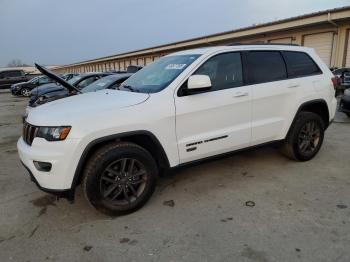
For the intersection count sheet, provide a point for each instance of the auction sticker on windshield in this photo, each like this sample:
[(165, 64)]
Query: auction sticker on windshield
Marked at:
[(175, 66)]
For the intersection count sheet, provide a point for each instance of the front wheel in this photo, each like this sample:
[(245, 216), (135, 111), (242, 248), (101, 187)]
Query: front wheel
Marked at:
[(305, 137), (25, 92), (120, 178)]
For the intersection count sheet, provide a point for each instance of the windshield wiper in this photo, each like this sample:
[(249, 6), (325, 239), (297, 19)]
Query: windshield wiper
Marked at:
[(130, 88)]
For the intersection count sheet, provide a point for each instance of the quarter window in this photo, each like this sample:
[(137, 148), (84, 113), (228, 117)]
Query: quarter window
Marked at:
[(300, 64), (265, 66), (224, 71)]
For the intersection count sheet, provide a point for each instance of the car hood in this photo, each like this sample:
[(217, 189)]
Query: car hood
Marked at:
[(47, 88), (69, 110), (19, 84), (56, 78)]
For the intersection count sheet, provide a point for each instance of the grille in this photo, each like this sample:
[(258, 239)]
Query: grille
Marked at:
[(29, 133)]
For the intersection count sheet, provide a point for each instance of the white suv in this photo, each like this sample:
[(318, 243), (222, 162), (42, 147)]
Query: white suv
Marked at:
[(185, 107)]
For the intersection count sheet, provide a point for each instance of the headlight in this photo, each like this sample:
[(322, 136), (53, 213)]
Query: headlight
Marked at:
[(57, 133)]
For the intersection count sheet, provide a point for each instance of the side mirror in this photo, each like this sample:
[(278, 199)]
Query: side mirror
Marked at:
[(197, 83)]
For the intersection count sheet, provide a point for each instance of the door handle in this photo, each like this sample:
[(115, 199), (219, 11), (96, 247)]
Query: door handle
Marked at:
[(240, 94), (293, 86)]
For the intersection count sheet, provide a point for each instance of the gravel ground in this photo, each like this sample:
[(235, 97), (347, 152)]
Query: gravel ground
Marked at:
[(252, 206)]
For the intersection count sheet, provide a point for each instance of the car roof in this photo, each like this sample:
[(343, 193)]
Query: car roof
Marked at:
[(117, 76), (14, 69), (94, 73), (206, 50)]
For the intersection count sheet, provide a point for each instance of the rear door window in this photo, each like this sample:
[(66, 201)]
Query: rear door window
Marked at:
[(300, 64), (265, 66)]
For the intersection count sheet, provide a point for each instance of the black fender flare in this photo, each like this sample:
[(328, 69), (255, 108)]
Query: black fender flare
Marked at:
[(305, 104), (101, 140)]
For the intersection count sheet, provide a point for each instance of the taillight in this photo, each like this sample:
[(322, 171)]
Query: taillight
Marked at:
[(335, 81)]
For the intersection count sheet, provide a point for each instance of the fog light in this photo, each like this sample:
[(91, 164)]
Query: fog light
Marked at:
[(42, 166)]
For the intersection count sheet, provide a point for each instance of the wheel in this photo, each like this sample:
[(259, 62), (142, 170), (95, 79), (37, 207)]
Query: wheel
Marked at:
[(25, 92), (120, 178), (305, 137), (348, 114)]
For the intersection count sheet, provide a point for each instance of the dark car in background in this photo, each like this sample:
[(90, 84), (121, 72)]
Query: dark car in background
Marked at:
[(75, 86), (107, 82), (48, 91), (9, 77), (68, 76), (339, 71), (25, 88), (344, 104), (62, 88)]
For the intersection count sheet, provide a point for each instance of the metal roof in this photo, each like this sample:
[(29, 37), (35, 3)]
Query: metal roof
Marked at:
[(256, 26)]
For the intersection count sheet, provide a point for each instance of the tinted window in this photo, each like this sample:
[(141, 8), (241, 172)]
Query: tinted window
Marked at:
[(14, 73), (87, 82), (100, 84), (224, 70), (300, 64), (265, 66)]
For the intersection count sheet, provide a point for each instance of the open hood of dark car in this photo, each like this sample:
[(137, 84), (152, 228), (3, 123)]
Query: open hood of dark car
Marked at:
[(56, 78)]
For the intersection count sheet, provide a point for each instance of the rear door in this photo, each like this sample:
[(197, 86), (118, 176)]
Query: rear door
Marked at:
[(273, 95), (218, 120)]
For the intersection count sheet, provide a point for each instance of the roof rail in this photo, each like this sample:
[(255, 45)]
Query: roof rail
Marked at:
[(259, 43)]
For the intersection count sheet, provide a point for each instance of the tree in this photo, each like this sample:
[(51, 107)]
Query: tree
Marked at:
[(16, 63)]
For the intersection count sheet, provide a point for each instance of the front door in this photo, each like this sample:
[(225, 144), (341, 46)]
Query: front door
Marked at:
[(218, 120)]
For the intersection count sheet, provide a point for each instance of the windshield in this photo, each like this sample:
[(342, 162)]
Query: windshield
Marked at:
[(33, 80), (99, 84), (73, 80), (158, 75)]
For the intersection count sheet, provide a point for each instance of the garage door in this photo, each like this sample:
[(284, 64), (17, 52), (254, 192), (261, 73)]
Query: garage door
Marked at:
[(287, 40), (347, 61), (322, 43)]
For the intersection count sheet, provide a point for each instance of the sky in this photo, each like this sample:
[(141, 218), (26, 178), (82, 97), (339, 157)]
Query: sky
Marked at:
[(57, 32)]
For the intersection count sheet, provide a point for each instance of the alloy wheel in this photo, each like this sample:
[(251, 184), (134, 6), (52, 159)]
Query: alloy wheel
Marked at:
[(123, 181), (25, 92), (309, 137)]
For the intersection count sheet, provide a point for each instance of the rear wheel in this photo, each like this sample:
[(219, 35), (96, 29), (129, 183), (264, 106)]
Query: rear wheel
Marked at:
[(25, 92), (305, 138), (120, 178)]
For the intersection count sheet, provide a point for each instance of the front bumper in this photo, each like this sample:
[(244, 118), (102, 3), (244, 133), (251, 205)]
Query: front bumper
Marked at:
[(15, 91), (60, 154), (66, 193)]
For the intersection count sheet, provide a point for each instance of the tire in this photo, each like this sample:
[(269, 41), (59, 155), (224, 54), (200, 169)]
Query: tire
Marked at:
[(25, 92), (300, 144), (120, 178)]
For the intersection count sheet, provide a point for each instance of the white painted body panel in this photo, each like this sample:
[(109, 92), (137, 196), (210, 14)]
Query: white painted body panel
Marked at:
[(264, 114)]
